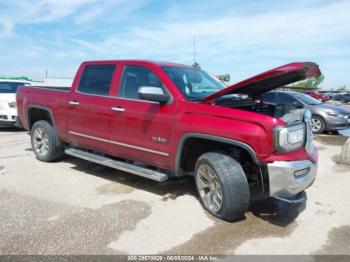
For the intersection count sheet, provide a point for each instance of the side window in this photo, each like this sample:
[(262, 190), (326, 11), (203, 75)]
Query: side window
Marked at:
[(134, 77), (96, 79), (269, 98), (284, 99)]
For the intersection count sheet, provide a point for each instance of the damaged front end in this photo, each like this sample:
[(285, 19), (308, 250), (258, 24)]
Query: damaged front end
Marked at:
[(288, 179), (280, 177)]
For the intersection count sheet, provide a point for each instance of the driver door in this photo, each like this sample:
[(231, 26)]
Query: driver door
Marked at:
[(141, 130)]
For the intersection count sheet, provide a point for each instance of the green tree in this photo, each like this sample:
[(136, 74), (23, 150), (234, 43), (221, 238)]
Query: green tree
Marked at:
[(312, 82), (342, 89)]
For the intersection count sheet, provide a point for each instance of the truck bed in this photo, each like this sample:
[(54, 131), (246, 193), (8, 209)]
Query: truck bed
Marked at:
[(61, 88), (51, 98)]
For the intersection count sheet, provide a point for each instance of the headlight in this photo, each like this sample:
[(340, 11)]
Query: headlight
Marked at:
[(289, 138), (334, 113), (12, 104)]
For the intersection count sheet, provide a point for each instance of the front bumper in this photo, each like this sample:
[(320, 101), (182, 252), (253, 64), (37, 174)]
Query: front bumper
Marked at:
[(8, 117), (289, 178), (6, 123), (336, 123)]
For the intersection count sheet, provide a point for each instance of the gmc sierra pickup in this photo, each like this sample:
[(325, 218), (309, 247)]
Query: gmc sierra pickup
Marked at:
[(161, 120)]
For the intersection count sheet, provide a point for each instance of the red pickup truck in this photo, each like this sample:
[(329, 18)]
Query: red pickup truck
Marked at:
[(160, 120)]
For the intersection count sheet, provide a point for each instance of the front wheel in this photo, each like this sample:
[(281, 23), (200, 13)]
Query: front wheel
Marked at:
[(45, 142), (317, 125), (222, 186)]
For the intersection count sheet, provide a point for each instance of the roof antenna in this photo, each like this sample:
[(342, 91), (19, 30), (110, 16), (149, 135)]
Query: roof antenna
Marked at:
[(195, 64)]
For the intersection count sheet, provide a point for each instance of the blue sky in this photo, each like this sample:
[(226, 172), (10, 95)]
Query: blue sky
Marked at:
[(242, 38)]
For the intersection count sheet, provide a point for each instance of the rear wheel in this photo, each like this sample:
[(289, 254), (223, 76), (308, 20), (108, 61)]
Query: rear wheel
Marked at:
[(317, 125), (222, 186), (45, 142)]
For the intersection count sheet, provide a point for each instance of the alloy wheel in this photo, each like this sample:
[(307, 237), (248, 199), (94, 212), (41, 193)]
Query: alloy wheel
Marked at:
[(209, 188), (316, 124), (40, 141)]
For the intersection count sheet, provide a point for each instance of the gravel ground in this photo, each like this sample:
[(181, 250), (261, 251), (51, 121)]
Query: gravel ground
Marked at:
[(77, 207)]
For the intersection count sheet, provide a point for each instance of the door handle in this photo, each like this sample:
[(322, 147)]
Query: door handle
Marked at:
[(118, 109), (73, 103)]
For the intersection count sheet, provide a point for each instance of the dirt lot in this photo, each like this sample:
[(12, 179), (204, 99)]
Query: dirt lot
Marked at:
[(77, 207)]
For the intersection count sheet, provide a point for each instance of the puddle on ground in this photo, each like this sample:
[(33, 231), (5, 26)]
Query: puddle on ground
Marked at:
[(114, 188), (122, 182), (331, 140), (321, 148), (269, 218), (338, 242), (54, 228), (265, 218)]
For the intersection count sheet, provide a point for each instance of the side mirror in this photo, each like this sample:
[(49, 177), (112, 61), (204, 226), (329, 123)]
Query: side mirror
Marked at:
[(297, 105), (152, 93)]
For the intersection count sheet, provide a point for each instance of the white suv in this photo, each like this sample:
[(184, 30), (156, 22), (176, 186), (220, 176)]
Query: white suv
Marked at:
[(8, 108)]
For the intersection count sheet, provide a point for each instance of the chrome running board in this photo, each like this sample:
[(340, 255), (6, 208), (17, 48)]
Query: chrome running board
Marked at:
[(123, 166)]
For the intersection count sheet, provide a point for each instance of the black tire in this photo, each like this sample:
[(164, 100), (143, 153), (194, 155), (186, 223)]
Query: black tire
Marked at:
[(322, 127), (233, 182), (55, 147)]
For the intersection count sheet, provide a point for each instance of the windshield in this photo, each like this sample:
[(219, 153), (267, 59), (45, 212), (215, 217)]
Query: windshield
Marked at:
[(193, 83), (307, 99), (9, 87)]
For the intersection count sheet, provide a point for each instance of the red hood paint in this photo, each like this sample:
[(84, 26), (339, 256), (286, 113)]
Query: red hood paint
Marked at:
[(269, 80)]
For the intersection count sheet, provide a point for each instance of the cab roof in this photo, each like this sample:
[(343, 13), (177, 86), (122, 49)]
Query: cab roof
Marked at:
[(152, 62)]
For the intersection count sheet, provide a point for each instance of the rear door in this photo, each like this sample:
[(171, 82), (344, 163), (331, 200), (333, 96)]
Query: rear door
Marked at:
[(89, 113)]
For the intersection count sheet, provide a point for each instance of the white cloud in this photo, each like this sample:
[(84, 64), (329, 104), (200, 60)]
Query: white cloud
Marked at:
[(88, 14), (303, 28), (6, 28), (307, 32), (29, 12), (240, 39)]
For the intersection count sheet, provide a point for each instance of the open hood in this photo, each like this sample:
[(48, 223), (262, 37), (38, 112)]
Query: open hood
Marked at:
[(269, 80)]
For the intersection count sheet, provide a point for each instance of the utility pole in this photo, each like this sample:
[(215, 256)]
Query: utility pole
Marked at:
[(194, 50), (195, 64)]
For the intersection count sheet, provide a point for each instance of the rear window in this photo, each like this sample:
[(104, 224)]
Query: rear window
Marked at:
[(96, 79), (284, 98), (269, 98)]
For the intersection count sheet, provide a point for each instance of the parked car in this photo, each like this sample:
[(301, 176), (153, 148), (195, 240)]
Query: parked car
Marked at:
[(324, 116), (318, 96), (344, 98), (178, 121), (8, 108), (330, 95)]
